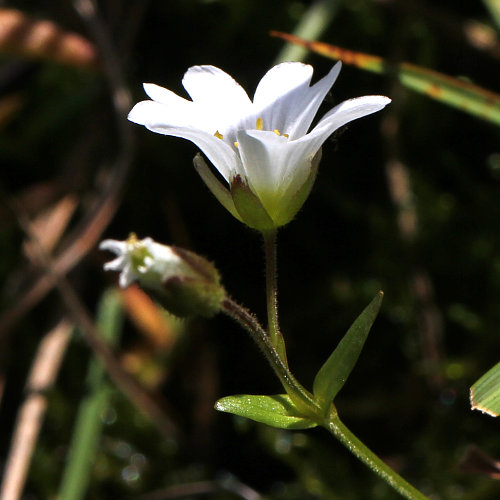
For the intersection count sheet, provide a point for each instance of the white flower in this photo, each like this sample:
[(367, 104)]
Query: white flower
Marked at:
[(143, 260), (262, 148), (182, 281)]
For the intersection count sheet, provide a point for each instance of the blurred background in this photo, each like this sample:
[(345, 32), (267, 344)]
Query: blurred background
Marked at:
[(406, 201)]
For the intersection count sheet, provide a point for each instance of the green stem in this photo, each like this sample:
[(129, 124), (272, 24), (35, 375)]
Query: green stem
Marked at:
[(299, 395), (272, 292), (336, 427)]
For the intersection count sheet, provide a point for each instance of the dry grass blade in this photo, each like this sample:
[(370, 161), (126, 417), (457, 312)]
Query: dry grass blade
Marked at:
[(51, 224), (30, 417), (40, 39), (454, 92)]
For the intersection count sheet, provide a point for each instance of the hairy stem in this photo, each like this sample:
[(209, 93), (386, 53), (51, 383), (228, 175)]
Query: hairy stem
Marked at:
[(273, 328), (299, 395)]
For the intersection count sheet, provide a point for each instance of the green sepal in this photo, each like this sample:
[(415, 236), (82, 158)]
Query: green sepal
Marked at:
[(197, 291), (289, 210), (337, 368), (276, 411), (216, 187), (249, 206), (187, 297), (485, 393)]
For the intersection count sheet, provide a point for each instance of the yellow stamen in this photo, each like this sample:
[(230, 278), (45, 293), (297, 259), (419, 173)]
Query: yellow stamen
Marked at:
[(132, 239), (260, 124), (286, 135), (236, 143), (276, 131), (218, 135)]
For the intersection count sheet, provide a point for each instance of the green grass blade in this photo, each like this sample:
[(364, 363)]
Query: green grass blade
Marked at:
[(462, 95), (485, 393), (88, 426), (313, 23), (337, 368)]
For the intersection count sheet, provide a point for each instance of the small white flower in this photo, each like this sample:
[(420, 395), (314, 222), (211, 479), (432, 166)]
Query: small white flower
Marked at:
[(185, 283), (143, 260), (265, 145)]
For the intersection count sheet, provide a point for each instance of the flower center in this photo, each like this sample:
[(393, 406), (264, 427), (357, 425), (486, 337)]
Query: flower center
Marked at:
[(259, 125), (139, 254)]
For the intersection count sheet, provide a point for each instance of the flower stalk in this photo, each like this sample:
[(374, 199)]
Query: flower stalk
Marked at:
[(270, 250)]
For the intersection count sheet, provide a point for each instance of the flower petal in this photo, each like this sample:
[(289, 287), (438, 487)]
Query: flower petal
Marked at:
[(127, 276), (169, 108), (156, 117), (217, 96), (260, 155), (286, 102), (116, 264), (311, 101), (273, 164), (345, 112), (115, 246), (275, 95), (163, 95), (208, 83)]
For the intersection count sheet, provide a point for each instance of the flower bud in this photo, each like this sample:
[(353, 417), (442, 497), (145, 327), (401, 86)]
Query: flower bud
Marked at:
[(182, 281)]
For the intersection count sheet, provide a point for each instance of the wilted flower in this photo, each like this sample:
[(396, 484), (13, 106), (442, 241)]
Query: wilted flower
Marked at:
[(262, 148), (185, 283)]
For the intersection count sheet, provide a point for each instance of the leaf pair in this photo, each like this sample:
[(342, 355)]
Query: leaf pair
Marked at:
[(279, 411)]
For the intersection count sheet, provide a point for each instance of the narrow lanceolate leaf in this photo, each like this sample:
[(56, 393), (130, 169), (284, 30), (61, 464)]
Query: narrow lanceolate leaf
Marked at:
[(333, 374), (465, 96), (276, 411), (485, 393)]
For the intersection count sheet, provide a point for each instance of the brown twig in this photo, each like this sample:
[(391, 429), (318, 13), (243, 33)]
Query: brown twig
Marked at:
[(30, 417)]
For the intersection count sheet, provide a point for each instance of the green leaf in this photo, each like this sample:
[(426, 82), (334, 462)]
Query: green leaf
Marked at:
[(333, 374), (460, 94), (485, 393), (276, 411)]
